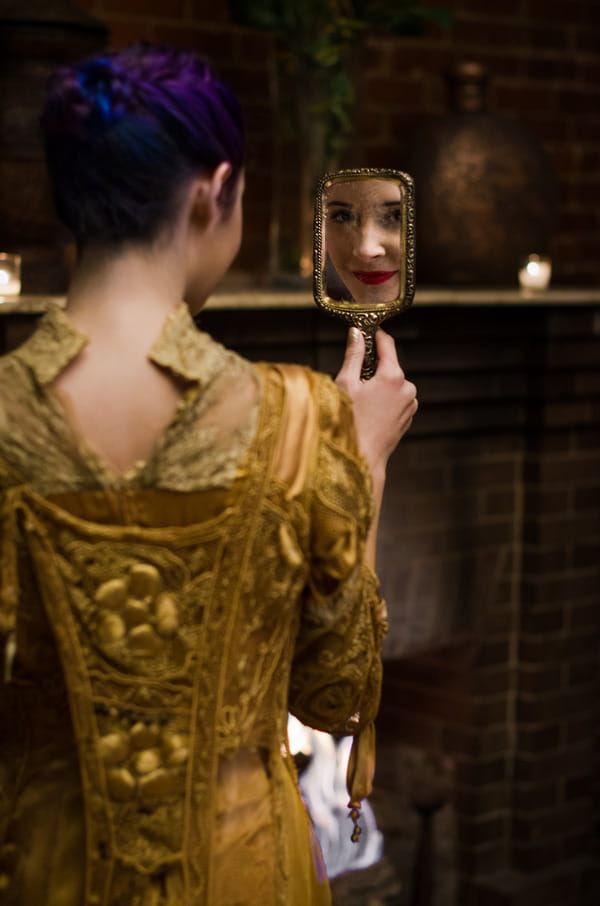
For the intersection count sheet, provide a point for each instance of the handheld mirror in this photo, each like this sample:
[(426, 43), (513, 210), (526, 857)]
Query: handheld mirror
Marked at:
[(364, 249)]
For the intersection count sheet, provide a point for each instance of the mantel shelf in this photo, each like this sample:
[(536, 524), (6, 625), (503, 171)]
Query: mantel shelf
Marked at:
[(253, 298)]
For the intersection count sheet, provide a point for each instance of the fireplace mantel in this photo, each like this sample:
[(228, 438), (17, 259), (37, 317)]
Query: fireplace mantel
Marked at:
[(488, 557), (256, 299)]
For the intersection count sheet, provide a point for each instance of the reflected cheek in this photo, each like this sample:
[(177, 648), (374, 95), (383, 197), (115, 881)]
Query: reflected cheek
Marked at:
[(339, 250)]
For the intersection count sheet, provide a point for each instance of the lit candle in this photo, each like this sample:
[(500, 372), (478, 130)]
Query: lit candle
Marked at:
[(10, 275), (535, 273)]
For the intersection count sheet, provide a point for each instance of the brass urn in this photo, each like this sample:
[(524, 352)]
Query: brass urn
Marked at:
[(485, 190)]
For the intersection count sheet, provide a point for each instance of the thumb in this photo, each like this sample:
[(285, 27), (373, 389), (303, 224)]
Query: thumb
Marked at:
[(353, 357)]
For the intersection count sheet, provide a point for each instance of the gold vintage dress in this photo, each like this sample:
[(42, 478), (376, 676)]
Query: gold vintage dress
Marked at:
[(157, 626)]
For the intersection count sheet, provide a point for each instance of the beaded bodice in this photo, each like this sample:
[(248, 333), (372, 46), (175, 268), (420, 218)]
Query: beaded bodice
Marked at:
[(159, 627)]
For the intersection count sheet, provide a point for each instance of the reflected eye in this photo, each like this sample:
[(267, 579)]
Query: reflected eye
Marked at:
[(391, 219), (340, 215)]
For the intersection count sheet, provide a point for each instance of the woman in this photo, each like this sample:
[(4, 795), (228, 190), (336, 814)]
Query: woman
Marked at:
[(183, 532), (363, 237)]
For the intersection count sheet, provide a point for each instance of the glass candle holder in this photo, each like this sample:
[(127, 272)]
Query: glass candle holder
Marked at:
[(10, 276), (535, 273)]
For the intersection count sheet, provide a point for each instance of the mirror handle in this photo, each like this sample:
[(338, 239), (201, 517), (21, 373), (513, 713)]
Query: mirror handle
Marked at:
[(369, 365)]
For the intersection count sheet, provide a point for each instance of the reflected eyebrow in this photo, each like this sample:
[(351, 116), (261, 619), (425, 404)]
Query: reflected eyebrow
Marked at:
[(342, 204)]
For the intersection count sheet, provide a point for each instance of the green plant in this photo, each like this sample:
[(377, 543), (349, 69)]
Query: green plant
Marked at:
[(316, 39)]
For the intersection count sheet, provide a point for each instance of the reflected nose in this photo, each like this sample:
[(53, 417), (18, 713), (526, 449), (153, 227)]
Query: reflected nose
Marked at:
[(368, 243)]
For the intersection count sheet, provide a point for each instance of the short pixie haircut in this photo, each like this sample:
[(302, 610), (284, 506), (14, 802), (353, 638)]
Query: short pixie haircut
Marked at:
[(125, 132)]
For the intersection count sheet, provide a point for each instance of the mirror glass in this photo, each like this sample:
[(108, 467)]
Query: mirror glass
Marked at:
[(364, 241)]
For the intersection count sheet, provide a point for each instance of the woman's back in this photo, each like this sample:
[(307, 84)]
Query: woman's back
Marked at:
[(170, 622), (183, 533)]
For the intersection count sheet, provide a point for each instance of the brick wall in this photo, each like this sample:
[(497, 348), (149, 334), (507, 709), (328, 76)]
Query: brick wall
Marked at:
[(489, 560), (493, 511), (543, 57)]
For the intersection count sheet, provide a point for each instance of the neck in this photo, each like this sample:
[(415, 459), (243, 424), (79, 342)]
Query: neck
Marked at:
[(131, 290)]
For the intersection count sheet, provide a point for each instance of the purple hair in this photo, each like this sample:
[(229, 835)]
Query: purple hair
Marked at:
[(125, 132)]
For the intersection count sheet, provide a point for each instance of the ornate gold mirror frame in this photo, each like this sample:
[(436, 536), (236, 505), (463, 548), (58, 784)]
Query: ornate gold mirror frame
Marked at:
[(368, 216)]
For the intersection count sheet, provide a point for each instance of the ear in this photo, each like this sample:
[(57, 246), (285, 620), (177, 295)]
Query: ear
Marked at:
[(205, 193), (219, 178)]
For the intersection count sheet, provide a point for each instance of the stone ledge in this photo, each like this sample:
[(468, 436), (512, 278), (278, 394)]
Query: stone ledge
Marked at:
[(255, 298)]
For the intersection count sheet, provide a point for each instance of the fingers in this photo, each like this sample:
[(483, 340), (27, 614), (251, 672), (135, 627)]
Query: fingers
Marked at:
[(386, 350), (353, 358)]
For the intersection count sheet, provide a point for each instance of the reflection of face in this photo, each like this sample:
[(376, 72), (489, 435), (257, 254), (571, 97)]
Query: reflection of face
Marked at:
[(363, 231)]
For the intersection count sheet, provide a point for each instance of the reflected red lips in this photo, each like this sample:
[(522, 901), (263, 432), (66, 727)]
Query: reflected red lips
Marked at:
[(372, 278)]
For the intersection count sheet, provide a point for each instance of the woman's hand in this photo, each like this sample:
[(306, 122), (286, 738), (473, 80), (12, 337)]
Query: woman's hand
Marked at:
[(384, 406), (383, 411)]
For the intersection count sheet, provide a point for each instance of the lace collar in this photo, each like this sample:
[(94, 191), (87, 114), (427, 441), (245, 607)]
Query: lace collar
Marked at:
[(181, 347)]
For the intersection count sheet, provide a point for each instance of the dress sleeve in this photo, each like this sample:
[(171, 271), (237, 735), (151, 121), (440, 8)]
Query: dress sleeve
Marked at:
[(9, 586), (336, 671)]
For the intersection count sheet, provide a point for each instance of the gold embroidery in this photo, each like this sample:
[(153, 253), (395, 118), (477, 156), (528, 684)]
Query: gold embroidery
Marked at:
[(185, 625)]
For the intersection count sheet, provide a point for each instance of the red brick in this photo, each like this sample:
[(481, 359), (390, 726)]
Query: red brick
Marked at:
[(494, 34), (577, 845), (563, 530), (587, 382), (588, 498), (544, 592), (530, 857), (525, 97), (577, 728), (539, 738), (409, 57), (546, 560), (211, 10), (551, 67), (535, 795), (127, 31), (590, 71), (548, 707), (426, 734), (584, 672), (546, 500), (564, 11), (585, 129), (483, 830), (394, 92), (566, 469), (542, 678), (542, 621), (483, 742), (498, 619), (578, 103), (216, 45), (556, 765), (587, 40), (500, 503), (554, 823), (254, 46), (583, 615), (481, 860), (493, 653), (494, 681), (578, 787), (482, 771), (476, 800), (509, 8), (539, 647), (174, 9)]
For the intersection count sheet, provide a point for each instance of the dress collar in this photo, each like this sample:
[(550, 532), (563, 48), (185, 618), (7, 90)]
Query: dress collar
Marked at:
[(180, 347)]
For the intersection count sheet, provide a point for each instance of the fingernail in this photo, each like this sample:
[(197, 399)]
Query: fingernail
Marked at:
[(354, 334)]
